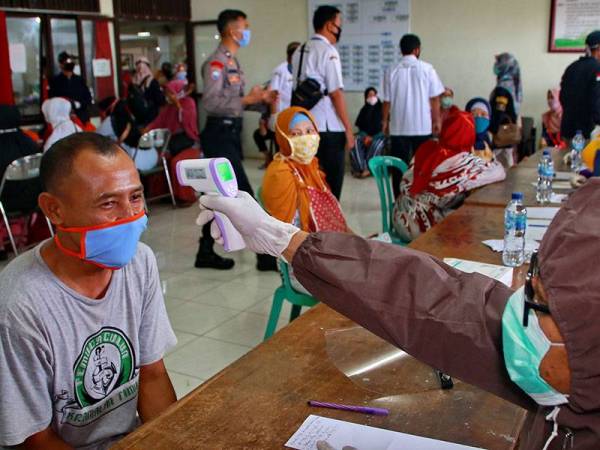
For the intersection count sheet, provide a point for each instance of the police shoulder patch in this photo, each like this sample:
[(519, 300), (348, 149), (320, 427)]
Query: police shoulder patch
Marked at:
[(216, 64)]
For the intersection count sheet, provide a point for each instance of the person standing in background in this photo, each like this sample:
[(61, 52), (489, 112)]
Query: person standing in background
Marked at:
[(321, 62), (411, 103), (282, 80), (71, 86), (144, 94), (224, 102), (580, 91)]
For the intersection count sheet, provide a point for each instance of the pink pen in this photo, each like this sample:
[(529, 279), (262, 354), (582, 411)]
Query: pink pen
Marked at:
[(361, 409)]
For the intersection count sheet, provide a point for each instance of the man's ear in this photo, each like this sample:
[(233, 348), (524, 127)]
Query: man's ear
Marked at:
[(51, 206)]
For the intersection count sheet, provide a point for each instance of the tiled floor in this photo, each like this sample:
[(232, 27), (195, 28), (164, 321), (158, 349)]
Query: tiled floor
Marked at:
[(219, 316)]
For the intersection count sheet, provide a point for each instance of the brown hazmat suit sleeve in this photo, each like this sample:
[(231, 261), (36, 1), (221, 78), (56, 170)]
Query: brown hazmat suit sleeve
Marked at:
[(442, 316)]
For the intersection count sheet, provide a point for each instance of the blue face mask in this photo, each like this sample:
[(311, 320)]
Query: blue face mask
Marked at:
[(245, 40), (481, 124), (181, 75), (524, 349), (111, 245)]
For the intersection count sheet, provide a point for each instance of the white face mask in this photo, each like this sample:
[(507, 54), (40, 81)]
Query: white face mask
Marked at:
[(304, 148), (372, 100)]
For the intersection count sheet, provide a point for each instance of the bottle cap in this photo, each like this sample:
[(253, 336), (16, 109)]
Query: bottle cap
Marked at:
[(579, 132), (546, 152), (517, 196)]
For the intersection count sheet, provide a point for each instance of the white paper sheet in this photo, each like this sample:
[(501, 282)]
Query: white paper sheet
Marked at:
[(562, 176), (500, 273), (338, 434), (101, 67), (18, 57), (558, 185), (497, 245), (543, 212)]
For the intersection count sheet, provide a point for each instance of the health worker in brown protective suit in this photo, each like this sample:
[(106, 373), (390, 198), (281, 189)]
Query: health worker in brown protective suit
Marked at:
[(538, 347)]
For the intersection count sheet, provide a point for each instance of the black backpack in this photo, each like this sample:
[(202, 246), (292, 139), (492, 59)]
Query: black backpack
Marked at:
[(308, 92), (137, 102)]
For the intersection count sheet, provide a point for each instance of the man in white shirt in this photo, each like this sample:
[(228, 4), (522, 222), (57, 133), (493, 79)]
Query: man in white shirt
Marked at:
[(321, 62), (282, 79), (411, 103)]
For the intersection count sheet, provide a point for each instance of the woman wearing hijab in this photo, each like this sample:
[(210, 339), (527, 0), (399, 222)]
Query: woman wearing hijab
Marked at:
[(57, 113), (144, 95), (447, 103), (551, 120), (508, 76), (442, 174), (481, 112), (370, 140), (16, 195), (180, 117), (294, 188)]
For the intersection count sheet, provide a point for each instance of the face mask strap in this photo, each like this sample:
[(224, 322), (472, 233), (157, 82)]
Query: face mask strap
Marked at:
[(65, 250)]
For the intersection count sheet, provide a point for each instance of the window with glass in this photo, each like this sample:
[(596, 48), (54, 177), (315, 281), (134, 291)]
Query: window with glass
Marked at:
[(24, 38)]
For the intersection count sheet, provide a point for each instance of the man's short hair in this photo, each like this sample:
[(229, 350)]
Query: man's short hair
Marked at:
[(227, 16), (409, 43), (57, 162), (324, 14), (291, 48)]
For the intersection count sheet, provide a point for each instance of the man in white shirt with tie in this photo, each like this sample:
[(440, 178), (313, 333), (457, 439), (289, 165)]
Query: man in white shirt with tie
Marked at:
[(411, 103), (321, 62)]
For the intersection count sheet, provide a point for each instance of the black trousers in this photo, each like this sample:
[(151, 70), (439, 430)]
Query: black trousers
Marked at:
[(404, 147), (261, 141), (222, 138), (332, 158)]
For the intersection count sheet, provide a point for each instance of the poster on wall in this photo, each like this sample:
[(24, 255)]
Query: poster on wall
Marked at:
[(570, 22), (370, 40)]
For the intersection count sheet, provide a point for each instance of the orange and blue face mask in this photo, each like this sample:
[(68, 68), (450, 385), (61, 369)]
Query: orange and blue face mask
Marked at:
[(110, 245)]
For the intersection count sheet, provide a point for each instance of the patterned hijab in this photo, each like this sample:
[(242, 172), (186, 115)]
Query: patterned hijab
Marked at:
[(508, 76)]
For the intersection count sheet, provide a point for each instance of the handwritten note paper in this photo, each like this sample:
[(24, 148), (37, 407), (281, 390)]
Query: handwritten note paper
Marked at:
[(500, 273), (338, 434)]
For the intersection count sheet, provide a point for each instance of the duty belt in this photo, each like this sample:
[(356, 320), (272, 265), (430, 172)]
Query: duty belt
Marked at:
[(229, 121)]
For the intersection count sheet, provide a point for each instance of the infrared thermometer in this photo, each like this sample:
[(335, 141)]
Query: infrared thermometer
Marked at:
[(213, 176)]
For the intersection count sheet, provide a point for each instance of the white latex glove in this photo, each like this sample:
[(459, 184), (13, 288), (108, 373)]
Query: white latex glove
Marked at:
[(77, 104), (261, 232), (577, 180), (324, 445)]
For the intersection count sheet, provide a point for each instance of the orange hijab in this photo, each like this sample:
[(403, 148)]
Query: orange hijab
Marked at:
[(284, 186)]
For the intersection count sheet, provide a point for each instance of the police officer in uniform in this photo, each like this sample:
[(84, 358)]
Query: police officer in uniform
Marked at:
[(224, 101), (580, 91)]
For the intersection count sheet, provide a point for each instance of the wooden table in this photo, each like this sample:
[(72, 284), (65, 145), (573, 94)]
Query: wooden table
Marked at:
[(518, 179), (259, 401)]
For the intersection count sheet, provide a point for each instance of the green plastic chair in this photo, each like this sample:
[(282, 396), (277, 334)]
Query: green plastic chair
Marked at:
[(284, 292), (379, 167)]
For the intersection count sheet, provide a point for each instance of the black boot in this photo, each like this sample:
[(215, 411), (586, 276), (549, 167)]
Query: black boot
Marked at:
[(265, 263), (206, 258)]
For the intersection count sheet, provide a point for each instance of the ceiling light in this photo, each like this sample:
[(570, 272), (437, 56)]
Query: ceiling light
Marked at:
[(143, 33)]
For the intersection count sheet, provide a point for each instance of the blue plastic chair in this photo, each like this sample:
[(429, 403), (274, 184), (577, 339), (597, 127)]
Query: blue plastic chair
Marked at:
[(379, 167), (284, 292)]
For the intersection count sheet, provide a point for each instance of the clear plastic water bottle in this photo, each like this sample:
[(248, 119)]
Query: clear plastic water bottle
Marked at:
[(545, 178), (515, 224), (577, 145)]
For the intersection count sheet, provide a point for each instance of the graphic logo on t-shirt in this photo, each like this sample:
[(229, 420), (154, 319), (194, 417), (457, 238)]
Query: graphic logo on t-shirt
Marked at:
[(106, 361)]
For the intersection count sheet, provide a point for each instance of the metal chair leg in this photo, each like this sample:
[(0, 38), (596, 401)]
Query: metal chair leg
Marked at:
[(8, 230), (166, 168), (49, 226)]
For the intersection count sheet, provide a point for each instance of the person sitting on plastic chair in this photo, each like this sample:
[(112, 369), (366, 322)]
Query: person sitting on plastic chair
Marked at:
[(370, 141), (294, 188), (440, 176)]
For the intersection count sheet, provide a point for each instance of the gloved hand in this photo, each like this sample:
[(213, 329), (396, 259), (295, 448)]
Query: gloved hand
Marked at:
[(324, 445), (261, 232), (567, 159), (577, 180)]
